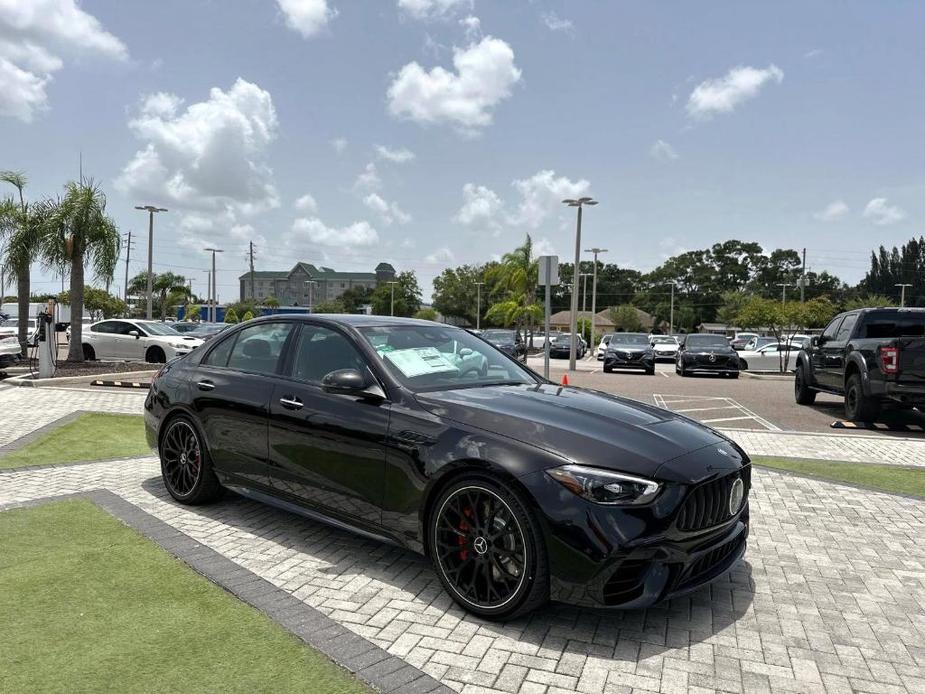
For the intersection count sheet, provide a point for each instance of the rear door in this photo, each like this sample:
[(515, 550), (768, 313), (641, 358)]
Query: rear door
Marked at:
[(834, 352), (231, 396), (327, 450)]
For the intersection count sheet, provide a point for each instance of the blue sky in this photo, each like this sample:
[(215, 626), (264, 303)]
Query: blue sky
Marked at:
[(437, 132)]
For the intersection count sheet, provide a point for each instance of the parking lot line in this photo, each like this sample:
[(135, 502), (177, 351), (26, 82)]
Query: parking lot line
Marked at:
[(704, 409), (712, 403), (724, 419)]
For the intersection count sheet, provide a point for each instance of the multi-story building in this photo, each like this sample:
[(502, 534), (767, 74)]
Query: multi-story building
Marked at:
[(306, 284)]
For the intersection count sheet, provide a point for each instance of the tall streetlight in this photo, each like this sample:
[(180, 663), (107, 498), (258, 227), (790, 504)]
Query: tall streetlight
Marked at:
[(311, 293), (902, 295), (595, 251), (573, 343), (478, 305), (151, 210), (392, 300), (213, 306), (783, 286), (671, 311), (584, 291)]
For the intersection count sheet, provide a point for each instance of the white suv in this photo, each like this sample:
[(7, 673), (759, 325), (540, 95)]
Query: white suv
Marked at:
[(135, 340)]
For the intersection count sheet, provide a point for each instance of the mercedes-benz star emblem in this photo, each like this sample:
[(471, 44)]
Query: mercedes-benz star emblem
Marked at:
[(481, 544), (712, 356), (736, 494)]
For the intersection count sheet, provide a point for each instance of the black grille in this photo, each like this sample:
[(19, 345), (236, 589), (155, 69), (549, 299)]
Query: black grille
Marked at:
[(708, 504), (718, 359), (626, 582), (712, 560)]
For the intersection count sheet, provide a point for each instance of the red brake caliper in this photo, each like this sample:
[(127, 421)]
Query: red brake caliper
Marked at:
[(463, 527)]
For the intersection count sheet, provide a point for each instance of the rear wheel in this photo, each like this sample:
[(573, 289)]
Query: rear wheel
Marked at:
[(802, 393), (608, 369), (155, 355), (859, 408), (682, 371), (185, 464), (89, 354), (488, 550), (650, 372)]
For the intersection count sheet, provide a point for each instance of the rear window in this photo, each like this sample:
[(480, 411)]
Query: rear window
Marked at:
[(893, 324)]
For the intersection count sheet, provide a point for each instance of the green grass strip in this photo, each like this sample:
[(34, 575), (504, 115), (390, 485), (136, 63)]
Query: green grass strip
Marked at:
[(92, 436), (88, 605), (888, 478)]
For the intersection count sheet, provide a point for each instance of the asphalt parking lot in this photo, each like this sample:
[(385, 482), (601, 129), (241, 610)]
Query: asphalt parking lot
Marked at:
[(745, 403)]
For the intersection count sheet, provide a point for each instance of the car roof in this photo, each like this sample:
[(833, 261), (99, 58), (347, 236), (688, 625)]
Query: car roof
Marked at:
[(357, 320)]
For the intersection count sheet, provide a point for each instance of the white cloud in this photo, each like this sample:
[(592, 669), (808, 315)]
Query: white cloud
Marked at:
[(316, 231), (388, 212), (663, 151), (473, 28), (32, 34), (339, 144), (484, 75), (481, 205), (542, 194), (835, 210), (368, 179), (882, 214), (814, 53), (428, 10), (308, 17), (554, 22), (306, 203), (723, 94), (398, 156), (209, 156), (441, 256), (543, 246)]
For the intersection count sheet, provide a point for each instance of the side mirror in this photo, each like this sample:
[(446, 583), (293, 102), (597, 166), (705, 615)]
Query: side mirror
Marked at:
[(134, 333), (351, 382), (817, 341), (465, 352)]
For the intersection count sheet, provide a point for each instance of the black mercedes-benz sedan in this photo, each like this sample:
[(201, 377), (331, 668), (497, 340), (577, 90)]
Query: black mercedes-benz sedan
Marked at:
[(420, 434), (629, 351), (705, 353)]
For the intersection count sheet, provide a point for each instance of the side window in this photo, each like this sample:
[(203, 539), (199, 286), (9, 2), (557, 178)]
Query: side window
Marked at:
[(832, 328), (219, 354), (319, 351), (844, 332), (123, 328), (258, 348), (106, 327)]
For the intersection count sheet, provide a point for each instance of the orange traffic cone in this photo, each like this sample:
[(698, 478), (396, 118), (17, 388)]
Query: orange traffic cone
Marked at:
[(565, 379)]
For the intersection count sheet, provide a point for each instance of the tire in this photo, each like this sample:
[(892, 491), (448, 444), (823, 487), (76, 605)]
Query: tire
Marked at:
[(743, 365), (608, 370), (802, 393), (89, 353), (155, 355), (513, 564), (734, 375), (650, 372), (859, 408), (683, 372), (186, 466)]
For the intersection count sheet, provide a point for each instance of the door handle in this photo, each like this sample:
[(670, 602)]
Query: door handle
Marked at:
[(205, 385), (291, 403)]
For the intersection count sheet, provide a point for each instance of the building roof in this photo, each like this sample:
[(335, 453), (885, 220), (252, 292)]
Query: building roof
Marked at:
[(323, 273), (601, 318)]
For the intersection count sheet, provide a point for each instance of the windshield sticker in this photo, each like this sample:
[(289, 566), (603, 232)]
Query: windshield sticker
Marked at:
[(419, 361)]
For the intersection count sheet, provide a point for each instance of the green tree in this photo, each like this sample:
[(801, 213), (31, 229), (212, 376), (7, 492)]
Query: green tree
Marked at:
[(426, 314), (247, 316), (192, 312), (79, 234), (169, 289), (733, 302), (98, 303), (231, 316), (514, 283), (625, 318), (271, 302), (868, 301), (354, 298), (456, 292), (329, 306), (407, 296), (784, 320)]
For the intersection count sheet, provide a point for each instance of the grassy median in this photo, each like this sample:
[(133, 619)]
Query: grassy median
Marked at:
[(888, 478), (92, 436), (88, 605)]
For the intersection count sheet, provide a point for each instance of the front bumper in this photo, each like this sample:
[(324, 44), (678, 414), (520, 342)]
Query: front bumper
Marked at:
[(668, 356), (614, 361), (719, 367)]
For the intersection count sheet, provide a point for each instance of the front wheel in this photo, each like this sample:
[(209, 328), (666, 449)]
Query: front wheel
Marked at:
[(650, 372), (487, 549), (858, 407), (802, 393)]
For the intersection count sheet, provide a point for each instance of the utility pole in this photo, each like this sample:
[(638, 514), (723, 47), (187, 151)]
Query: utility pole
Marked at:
[(573, 323), (208, 294), (392, 302), (128, 256), (150, 209), (803, 279), (478, 305), (213, 302), (902, 295), (595, 251), (253, 297)]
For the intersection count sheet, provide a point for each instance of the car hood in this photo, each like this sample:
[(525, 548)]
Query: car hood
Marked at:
[(627, 348), (588, 428), (728, 351)]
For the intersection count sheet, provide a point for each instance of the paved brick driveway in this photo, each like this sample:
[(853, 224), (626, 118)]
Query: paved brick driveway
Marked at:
[(831, 597)]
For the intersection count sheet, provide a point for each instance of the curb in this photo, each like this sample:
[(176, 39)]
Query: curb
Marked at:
[(26, 381), (121, 384)]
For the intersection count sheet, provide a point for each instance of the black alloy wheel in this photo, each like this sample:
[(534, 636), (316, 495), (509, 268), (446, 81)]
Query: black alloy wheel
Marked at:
[(487, 551), (185, 465), (859, 408)]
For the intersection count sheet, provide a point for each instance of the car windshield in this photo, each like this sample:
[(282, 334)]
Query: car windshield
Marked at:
[(158, 329), (633, 339), (706, 342), (498, 335), (424, 357), (664, 340), (209, 328), (184, 327)]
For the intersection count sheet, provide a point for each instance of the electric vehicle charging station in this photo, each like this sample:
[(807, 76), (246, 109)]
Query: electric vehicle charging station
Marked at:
[(48, 346)]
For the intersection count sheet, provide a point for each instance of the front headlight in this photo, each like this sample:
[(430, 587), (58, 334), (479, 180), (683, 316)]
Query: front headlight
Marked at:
[(605, 487), (181, 345)]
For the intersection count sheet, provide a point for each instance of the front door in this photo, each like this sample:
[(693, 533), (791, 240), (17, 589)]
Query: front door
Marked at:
[(327, 450), (820, 354)]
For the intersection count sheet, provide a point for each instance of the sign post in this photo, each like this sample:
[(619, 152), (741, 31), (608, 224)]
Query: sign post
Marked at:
[(548, 278)]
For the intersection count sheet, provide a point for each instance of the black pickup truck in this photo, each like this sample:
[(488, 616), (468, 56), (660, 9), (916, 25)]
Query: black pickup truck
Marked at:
[(871, 356)]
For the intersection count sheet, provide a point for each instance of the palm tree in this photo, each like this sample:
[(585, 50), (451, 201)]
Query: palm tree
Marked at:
[(516, 276), (21, 223), (168, 288), (78, 233)]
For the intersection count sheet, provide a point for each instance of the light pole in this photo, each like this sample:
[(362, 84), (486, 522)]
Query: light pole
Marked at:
[(208, 294), (595, 251), (783, 286), (311, 293), (150, 209), (902, 295), (671, 311), (213, 302), (392, 300), (573, 343), (478, 305)]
